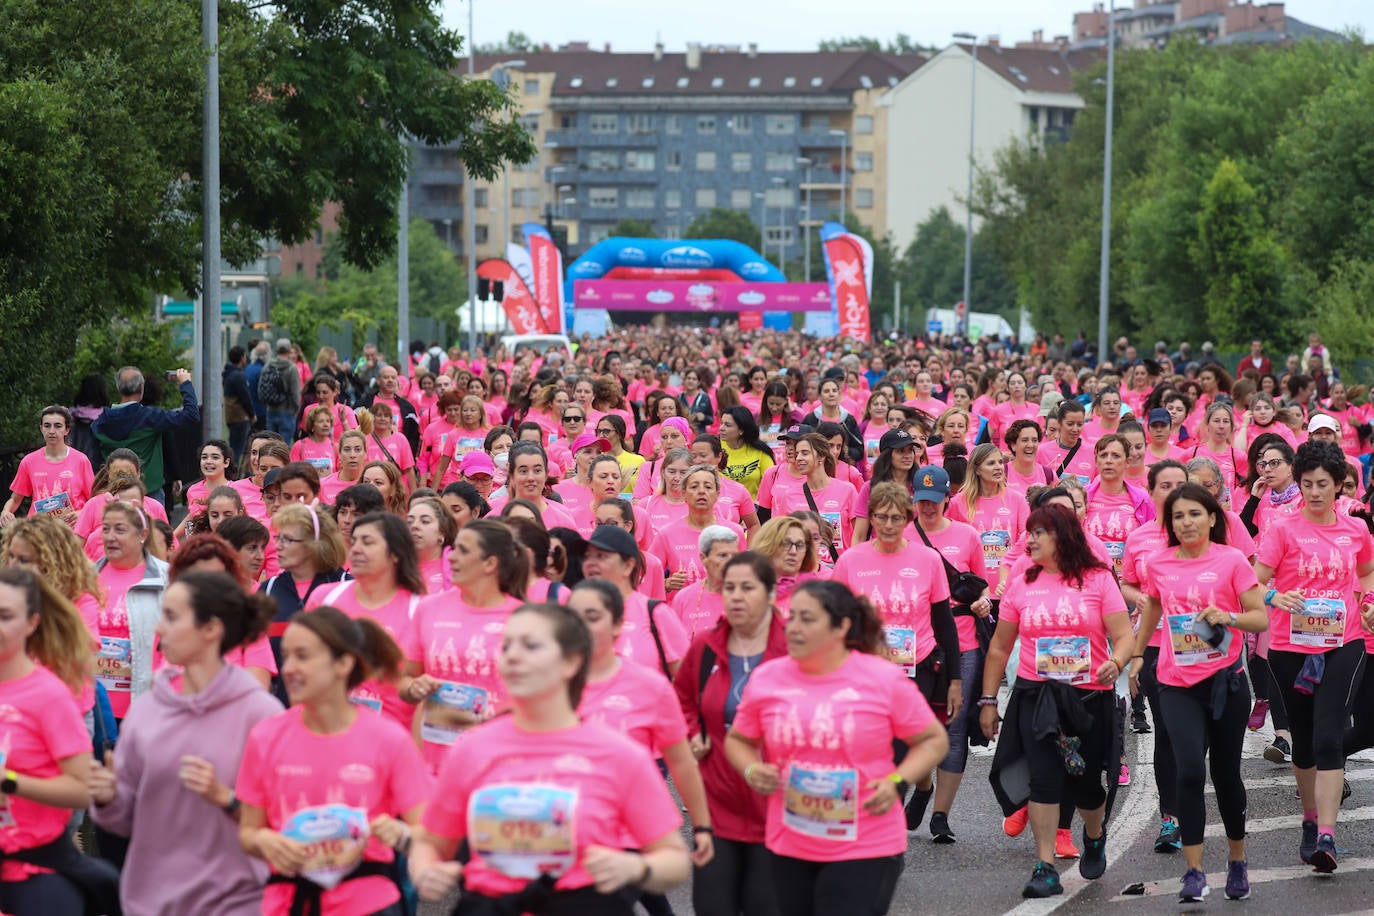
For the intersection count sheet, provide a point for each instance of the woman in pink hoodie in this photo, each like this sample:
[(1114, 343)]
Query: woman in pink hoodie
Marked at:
[(167, 786)]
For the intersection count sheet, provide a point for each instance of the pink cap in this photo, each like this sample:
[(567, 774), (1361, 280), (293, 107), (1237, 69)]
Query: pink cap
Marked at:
[(681, 425), (477, 462), (586, 440)]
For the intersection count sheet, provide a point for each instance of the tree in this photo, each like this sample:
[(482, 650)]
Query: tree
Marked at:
[(634, 229), (902, 44), (515, 43), (1237, 253), (932, 269), (723, 223)]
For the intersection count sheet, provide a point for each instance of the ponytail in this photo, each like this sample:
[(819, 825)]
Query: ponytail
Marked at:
[(865, 626), (219, 596), (375, 654)]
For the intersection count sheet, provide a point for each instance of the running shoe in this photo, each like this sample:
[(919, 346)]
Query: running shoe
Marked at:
[(1194, 886), (1309, 842), (1063, 844), (1044, 882), (1094, 860), (1324, 856), (1139, 724), (1015, 823), (1279, 751), (1170, 837), (939, 828), (1125, 778), (916, 807), (1345, 790), (1257, 715), (1237, 880)]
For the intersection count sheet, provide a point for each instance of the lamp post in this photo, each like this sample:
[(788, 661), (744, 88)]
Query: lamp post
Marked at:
[(501, 76), (1105, 267), (212, 330), (524, 184), (780, 183), (844, 166), (469, 205), (563, 201), (805, 163), (763, 224), (968, 204)]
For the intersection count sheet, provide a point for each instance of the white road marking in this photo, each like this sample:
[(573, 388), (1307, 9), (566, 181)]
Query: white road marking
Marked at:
[(1169, 887), (1293, 821), (1286, 779)]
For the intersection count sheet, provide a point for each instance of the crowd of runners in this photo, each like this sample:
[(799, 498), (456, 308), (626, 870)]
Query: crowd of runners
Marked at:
[(553, 633)]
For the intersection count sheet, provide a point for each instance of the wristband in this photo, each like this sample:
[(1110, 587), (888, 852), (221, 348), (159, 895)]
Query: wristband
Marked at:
[(749, 769), (707, 830), (1269, 597), (648, 873), (987, 701), (1367, 598), (895, 778)]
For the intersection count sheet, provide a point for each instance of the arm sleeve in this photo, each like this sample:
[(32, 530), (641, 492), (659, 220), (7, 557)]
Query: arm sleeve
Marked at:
[(946, 634), (1247, 514), (188, 415)]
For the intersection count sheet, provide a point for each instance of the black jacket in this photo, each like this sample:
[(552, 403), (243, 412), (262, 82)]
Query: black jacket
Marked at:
[(410, 418)]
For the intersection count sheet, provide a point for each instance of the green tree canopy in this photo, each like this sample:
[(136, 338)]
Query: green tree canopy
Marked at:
[(723, 223), (634, 228)]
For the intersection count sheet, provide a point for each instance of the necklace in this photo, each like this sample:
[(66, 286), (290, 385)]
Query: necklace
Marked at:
[(750, 649)]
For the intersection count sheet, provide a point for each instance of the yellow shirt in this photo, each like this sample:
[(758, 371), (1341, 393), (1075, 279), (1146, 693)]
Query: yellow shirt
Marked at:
[(745, 465), (629, 470)]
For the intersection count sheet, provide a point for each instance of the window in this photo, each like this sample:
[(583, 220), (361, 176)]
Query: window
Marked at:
[(603, 198), (639, 160), (300, 268), (818, 122), (567, 121), (443, 194), (706, 124), (531, 85), (648, 82), (779, 197), (672, 160), (530, 123), (706, 161), (481, 234), (524, 197), (863, 198), (683, 81), (706, 198), (639, 123), (863, 162), (777, 162), (598, 233), (672, 124), (789, 82), (612, 82), (741, 162), (480, 196), (603, 160), (780, 124), (575, 82), (755, 82), (742, 124), (639, 198), (779, 235), (863, 124), (603, 123), (671, 233), (741, 198), (717, 82), (672, 199), (815, 82)]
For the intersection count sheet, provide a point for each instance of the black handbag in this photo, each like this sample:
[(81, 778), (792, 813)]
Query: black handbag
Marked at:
[(964, 587)]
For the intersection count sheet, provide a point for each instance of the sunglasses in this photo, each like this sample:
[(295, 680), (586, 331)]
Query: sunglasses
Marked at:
[(574, 418)]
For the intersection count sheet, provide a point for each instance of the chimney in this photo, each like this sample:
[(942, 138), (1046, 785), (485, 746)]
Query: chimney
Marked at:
[(608, 47), (1038, 36), (658, 52), (995, 43), (753, 49), (693, 56)]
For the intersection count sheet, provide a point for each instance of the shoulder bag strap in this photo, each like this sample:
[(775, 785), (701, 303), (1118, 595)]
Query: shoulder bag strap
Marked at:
[(1069, 457), (811, 501)]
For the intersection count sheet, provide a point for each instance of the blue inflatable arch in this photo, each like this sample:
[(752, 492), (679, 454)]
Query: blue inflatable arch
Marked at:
[(686, 254)]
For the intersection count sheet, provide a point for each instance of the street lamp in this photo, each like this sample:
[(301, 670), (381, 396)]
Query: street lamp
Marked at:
[(501, 76), (779, 182), (469, 206), (524, 184), (1105, 265), (564, 189), (448, 234), (763, 225), (805, 163), (962, 322), (844, 165)]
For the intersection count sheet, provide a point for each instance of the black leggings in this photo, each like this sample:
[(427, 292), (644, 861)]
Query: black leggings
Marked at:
[(1266, 689), (1196, 737), (1360, 736), (850, 887), (1050, 783), (40, 895), (1318, 721), (1166, 777), (737, 882)]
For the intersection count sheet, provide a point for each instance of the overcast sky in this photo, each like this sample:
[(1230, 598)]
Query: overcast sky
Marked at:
[(797, 25)]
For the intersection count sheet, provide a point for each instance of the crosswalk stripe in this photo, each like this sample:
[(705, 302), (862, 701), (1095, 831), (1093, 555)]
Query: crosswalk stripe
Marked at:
[(1169, 887), (1292, 821)]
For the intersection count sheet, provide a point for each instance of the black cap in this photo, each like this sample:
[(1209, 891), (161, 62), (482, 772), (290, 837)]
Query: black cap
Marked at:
[(614, 539), (894, 439), (833, 372), (271, 478), (796, 431)]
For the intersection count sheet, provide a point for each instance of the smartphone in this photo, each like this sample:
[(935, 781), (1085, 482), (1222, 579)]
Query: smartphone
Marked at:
[(172, 375)]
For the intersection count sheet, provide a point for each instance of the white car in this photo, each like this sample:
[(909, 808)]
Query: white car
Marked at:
[(541, 343)]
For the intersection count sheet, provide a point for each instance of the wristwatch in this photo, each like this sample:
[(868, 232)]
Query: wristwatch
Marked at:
[(10, 784), (232, 806)]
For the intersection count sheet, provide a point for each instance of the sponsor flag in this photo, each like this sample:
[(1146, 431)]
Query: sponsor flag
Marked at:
[(547, 269), (849, 268), (519, 305)]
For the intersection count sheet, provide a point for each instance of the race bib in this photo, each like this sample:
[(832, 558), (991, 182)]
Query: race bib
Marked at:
[(114, 667), (1321, 623), (55, 503), (833, 519), (363, 697), (335, 837), (995, 545), (871, 449), (324, 465), (467, 444), (451, 710), (524, 831), (1063, 658), (1116, 550), (1188, 647), (901, 647), (821, 802)]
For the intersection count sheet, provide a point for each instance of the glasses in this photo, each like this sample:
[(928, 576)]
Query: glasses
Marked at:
[(601, 431), (287, 539), (789, 545), (888, 519), (1269, 465), (574, 418)]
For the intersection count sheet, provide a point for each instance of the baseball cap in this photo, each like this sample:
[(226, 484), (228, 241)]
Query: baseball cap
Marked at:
[(833, 372), (477, 462), (1160, 415), (796, 431), (1049, 401), (614, 539), (1322, 421), (271, 478), (932, 484), (587, 440), (894, 439)]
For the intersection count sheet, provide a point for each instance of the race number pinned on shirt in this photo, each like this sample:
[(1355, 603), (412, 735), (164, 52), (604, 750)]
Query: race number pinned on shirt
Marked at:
[(1189, 648), (451, 710), (1320, 623), (822, 802), (1063, 658), (58, 502), (524, 830), (1116, 550), (114, 667), (901, 647), (995, 545), (6, 813), (335, 837), (367, 698)]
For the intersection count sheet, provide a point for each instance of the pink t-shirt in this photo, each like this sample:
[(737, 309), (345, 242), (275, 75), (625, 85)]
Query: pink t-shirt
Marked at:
[(1142, 545), (320, 455), (1321, 562), (54, 485), (697, 608), (636, 641), (778, 483), (459, 644), (734, 496), (435, 572), (582, 786), (41, 727), (251, 494), (837, 502), (830, 736), (394, 616), (399, 447), (1111, 518), (1231, 461), (1022, 483), (677, 546), (433, 445), (999, 520), (332, 486), (1266, 514), (88, 520), (1063, 635), (1185, 587), (324, 790), (962, 546), (637, 703), (1082, 466), (114, 666), (1007, 413), (553, 514), (902, 586)]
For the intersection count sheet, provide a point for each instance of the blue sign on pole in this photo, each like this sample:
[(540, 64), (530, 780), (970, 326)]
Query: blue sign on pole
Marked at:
[(935, 326)]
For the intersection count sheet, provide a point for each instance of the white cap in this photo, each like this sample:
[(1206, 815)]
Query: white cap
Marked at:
[(1322, 421)]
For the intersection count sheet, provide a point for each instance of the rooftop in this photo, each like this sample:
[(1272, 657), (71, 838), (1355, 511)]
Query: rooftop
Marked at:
[(1034, 70)]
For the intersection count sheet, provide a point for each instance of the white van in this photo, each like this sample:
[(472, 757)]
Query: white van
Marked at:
[(541, 343)]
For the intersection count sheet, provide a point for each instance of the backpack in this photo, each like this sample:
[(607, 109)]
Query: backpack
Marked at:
[(272, 386)]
